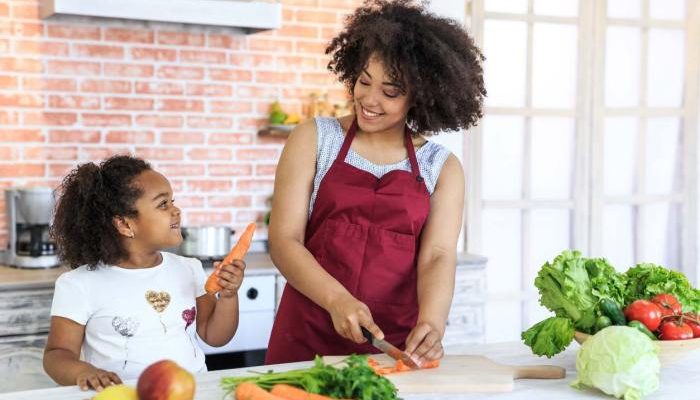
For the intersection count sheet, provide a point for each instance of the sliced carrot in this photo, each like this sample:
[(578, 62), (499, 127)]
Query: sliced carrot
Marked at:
[(400, 366), (237, 253), (251, 391), (289, 392)]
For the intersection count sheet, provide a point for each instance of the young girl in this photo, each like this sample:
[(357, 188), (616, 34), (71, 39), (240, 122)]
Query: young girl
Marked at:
[(367, 212), (126, 303)]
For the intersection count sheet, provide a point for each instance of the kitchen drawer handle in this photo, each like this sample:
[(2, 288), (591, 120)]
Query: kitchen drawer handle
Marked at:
[(252, 293)]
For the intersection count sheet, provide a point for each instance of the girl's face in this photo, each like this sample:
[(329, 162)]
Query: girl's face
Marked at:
[(380, 104), (157, 225)]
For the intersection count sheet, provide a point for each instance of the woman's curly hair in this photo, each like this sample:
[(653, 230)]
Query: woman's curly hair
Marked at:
[(433, 59), (90, 197)]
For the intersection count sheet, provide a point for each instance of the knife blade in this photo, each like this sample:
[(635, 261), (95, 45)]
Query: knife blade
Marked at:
[(389, 349)]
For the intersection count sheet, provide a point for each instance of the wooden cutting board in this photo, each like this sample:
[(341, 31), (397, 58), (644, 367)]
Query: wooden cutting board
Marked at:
[(463, 374)]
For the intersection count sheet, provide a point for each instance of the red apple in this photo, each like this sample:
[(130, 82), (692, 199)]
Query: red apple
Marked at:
[(165, 380)]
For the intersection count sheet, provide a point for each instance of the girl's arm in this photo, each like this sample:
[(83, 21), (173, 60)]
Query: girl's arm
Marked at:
[(217, 320), (437, 262), (62, 358), (290, 212)]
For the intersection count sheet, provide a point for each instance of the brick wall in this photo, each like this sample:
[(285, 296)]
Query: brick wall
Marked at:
[(189, 99)]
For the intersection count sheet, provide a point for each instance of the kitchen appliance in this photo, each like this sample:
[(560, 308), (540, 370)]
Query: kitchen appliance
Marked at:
[(462, 374), (29, 213), (389, 349), (206, 242)]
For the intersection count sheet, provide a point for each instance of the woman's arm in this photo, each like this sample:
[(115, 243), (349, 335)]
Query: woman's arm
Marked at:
[(437, 262), (217, 319), (290, 206), (62, 358)]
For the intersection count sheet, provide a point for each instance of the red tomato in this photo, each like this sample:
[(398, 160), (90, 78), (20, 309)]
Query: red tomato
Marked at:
[(675, 330), (695, 327), (668, 304), (645, 312)]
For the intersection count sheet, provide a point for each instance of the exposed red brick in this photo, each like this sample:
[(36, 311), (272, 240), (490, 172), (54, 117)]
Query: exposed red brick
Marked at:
[(131, 137), (311, 47), (98, 51), (80, 32), (22, 170), (197, 56), (231, 107), (209, 122), (220, 74), (153, 153), (256, 154), (49, 84), (27, 29), (21, 135), (80, 68), (230, 201), (209, 185), (21, 100), (129, 35), (109, 120), (105, 86), (153, 54), (275, 77), (255, 185), (174, 72), (159, 88), (74, 136), (230, 169), (180, 105), (180, 169), (20, 65), (296, 62), (265, 169), (182, 138), (71, 101), (50, 118), (269, 44), (225, 41), (128, 70), (247, 60), (208, 90), (50, 153), (60, 169), (248, 216), (128, 103), (208, 218), (181, 38), (319, 17), (298, 31), (8, 82), (189, 201), (208, 153), (230, 138), (159, 121), (41, 48), (97, 154)]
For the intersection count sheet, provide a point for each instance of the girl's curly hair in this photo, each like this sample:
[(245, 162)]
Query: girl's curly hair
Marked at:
[(433, 59), (90, 197)]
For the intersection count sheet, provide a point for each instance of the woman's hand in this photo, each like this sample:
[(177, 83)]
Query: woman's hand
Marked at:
[(348, 315), (424, 343), (97, 379), (230, 278)]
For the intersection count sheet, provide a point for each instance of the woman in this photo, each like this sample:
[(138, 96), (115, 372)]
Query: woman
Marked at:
[(367, 212)]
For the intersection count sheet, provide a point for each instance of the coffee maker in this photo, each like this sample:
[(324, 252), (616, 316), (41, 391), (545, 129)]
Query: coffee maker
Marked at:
[(29, 213)]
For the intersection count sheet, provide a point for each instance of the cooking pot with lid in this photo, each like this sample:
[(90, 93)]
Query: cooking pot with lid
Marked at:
[(206, 242)]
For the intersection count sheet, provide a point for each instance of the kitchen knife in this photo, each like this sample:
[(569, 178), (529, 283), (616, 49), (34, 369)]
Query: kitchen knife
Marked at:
[(389, 349)]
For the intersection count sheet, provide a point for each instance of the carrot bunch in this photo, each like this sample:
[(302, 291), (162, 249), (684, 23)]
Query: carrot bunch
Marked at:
[(251, 391), (237, 253)]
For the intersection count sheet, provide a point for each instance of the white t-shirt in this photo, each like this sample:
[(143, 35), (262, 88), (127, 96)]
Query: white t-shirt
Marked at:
[(135, 317)]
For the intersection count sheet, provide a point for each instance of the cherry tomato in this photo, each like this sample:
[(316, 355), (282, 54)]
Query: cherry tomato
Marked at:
[(675, 330), (645, 312), (668, 304)]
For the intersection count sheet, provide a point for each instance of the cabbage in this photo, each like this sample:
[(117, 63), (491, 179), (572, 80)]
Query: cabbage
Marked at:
[(620, 361)]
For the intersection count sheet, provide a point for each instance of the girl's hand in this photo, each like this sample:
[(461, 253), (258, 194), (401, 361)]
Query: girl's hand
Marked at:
[(348, 314), (230, 278), (97, 379), (424, 343)]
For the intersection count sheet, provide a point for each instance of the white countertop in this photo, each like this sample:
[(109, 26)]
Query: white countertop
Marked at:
[(677, 381)]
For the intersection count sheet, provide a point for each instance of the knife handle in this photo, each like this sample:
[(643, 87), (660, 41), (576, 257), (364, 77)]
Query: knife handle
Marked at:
[(367, 334)]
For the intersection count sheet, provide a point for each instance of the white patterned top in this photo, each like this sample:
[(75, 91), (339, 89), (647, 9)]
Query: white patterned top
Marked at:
[(330, 135)]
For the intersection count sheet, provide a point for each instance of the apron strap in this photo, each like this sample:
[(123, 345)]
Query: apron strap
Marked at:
[(408, 142)]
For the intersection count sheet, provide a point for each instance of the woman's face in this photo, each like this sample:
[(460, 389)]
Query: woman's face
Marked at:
[(380, 104), (157, 225)]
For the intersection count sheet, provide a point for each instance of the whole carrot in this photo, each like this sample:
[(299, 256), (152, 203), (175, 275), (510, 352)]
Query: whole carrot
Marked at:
[(251, 391), (237, 253), (290, 392)]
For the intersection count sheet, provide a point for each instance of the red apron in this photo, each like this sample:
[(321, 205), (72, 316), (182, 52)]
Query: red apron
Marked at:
[(365, 232)]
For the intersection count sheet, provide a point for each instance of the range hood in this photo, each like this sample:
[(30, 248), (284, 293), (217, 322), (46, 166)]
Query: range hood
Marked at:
[(252, 15)]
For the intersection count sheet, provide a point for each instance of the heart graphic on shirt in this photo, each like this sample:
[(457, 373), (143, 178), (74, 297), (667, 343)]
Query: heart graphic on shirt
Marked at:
[(158, 300)]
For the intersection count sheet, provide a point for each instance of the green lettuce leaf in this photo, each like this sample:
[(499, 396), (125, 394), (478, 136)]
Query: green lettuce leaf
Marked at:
[(549, 337), (647, 280)]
